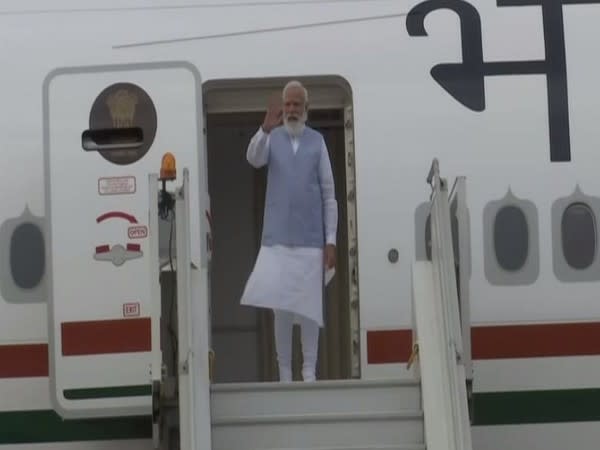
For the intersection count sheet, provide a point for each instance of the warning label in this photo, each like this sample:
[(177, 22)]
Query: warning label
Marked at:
[(131, 309), (137, 232), (116, 185)]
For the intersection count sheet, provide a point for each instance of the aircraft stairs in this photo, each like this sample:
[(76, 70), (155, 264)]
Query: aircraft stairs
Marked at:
[(428, 408), (338, 414), (429, 411)]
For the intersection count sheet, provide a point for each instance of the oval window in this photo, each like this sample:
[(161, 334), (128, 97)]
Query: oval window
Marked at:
[(511, 238), (454, 225), (578, 229), (428, 242), (428, 238), (27, 256)]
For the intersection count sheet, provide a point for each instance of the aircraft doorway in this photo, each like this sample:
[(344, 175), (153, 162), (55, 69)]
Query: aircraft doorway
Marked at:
[(242, 337)]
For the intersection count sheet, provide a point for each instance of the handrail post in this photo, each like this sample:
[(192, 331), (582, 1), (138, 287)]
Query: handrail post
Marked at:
[(434, 171)]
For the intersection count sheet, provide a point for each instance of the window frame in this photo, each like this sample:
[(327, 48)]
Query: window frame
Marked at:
[(494, 272), (10, 291), (562, 270)]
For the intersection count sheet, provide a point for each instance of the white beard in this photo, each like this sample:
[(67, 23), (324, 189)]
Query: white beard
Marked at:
[(295, 127)]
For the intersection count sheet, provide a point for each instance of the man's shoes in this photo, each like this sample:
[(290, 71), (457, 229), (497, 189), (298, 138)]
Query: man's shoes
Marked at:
[(308, 375), (285, 375)]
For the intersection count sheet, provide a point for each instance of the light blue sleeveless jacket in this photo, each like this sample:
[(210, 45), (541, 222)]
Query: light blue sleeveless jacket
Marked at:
[(293, 205)]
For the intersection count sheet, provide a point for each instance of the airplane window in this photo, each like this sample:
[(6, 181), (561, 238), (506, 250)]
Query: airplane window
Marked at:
[(423, 232), (578, 232), (454, 225), (511, 238), (511, 241), (428, 237), (427, 241), (27, 256), (575, 237)]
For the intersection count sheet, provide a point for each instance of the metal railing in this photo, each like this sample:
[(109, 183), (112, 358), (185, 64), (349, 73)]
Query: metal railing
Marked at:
[(441, 321), (462, 254)]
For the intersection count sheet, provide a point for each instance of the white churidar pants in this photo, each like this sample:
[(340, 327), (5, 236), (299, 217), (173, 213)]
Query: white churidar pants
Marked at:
[(309, 332)]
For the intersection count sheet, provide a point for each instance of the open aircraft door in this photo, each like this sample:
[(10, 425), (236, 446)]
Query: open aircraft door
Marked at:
[(106, 130)]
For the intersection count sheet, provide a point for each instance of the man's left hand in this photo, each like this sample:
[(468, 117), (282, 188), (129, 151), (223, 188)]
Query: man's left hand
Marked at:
[(329, 255)]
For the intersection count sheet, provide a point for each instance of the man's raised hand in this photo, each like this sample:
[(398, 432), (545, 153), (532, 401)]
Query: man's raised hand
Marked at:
[(274, 115)]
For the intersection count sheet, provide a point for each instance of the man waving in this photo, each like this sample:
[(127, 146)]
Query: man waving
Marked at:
[(299, 227)]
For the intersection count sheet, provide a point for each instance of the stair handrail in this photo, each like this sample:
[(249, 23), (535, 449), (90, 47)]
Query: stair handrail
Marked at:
[(438, 328), (458, 209)]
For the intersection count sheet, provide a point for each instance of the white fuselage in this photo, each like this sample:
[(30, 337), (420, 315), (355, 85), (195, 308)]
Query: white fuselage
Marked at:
[(402, 119)]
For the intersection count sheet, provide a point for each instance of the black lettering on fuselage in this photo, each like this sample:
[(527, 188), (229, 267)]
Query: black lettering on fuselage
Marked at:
[(465, 81)]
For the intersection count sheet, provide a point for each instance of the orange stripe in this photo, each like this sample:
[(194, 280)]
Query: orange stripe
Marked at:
[(23, 360), (383, 346), (530, 341), (388, 346), (497, 342), (106, 336)]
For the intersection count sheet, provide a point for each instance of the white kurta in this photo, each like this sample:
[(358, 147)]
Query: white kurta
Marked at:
[(292, 278)]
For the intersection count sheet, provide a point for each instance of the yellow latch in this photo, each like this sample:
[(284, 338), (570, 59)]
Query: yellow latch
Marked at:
[(414, 354), (211, 364)]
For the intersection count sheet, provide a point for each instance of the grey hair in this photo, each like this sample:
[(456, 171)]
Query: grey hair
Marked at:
[(295, 84)]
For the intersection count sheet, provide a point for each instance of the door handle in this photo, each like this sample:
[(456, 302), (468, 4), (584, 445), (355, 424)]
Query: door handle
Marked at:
[(112, 139)]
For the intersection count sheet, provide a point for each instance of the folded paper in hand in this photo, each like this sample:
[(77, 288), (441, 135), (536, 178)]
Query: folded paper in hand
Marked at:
[(329, 273)]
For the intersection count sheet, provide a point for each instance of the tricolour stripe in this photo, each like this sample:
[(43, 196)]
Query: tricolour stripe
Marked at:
[(383, 346), (498, 408), (540, 340), (23, 360), (106, 336), (388, 346), (498, 342)]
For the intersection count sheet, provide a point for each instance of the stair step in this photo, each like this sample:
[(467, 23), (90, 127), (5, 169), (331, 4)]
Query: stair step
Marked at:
[(310, 431), (310, 386), (346, 447), (324, 415), (325, 397), (326, 432), (317, 418)]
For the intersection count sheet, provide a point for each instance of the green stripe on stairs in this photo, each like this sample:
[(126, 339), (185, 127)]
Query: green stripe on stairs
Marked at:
[(108, 392), (18, 427), (504, 408), (491, 408)]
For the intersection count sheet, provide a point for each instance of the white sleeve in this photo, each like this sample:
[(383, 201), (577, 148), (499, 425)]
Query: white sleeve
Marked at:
[(258, 149), (330, 209)]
